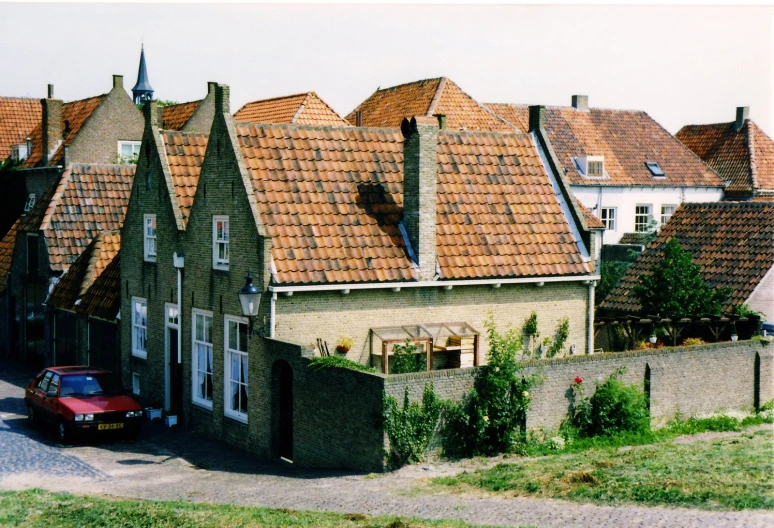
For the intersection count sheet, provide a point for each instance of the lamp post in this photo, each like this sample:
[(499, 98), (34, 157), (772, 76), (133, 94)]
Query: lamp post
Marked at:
[(250, 300)]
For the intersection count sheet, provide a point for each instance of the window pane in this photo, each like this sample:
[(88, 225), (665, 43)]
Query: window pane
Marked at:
[(232, 335), (199, 327), (208, 329), (242, 337)]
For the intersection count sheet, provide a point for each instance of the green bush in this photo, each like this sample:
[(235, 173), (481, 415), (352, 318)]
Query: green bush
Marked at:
[(614, 408), (410, 429), (327, 362), (405, 359)]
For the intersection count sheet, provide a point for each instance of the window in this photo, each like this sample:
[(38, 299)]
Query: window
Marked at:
[(43, 383), (32, 254), (135, 383), (220, 242), (607, 215), (666, 213), (642, 218), (128, 151), (591, 166), (140, 328), (19, 152), (202, 359), (29, 203), (655, 169), (54, 385), (594, 169), (236, 369), (150, 237)]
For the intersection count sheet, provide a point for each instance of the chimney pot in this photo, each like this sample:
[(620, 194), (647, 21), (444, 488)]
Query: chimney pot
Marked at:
[(359, 118), (742, 115), (580, 102), (537, 117), (222, 99), (118, 81), (50, 91)]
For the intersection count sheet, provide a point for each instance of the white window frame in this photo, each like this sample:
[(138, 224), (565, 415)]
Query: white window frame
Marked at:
[(583, 163), (228, 409), (663, 206), (136, 327), (135, 150), (647, 221), (201, 402), (149, 240), (135, 384), (217, 243), (30, 203), (610, 221), (19, 152)]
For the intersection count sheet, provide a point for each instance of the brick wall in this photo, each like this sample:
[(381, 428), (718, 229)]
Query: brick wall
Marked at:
[(201, 120)]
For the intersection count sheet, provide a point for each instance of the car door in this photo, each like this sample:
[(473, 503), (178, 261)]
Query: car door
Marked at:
[(37, 393), (51, 399)]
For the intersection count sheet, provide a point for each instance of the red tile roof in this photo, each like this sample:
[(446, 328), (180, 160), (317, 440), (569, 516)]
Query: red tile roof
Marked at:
[(74, 115), (626, 138), (300, 109), (89, 199), (516, 115), (387, 107), (18, 118), (7, 245), (733, 242), (103, 298), (174, 117), (185, 154), (744, 157), (332, 200)]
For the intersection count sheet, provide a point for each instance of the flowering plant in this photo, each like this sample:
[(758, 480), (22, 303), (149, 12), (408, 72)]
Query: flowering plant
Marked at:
[(578, 379)]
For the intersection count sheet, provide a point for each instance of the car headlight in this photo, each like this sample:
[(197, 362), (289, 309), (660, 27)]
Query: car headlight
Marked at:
[(78, 417), (88, 417), (134, 414)]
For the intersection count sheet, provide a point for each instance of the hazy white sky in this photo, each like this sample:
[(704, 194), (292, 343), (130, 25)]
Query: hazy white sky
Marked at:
[(680, 64)]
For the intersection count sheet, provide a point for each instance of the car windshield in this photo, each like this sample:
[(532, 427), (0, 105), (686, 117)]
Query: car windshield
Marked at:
[(89, 384)]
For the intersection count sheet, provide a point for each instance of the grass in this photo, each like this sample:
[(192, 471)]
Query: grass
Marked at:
[(723, 473), (37, 508)]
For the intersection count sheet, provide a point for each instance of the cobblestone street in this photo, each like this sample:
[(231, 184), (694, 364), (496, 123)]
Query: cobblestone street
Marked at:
[(174, 464)]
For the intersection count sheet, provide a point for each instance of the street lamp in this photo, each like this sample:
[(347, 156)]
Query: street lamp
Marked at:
[(250, 300)]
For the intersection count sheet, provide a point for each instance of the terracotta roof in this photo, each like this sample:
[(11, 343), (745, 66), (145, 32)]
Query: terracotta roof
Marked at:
[(626, 138), (174, 117), (592, 222), (18, 118), (185, 154), (744, 157), (516, 115), (74, 115), (86, 269), (89, 199), (388, 106), (103, 298), (332, 200), (30, 222), (733, 242), (300, 109), (7, 245), (638, 239)]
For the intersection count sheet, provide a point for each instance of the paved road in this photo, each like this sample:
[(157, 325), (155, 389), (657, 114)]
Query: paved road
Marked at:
[(175, 464)]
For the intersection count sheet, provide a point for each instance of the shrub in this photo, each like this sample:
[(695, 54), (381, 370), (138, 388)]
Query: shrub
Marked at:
[(562, 333), (410, 429), (690, 341), (405, 359), (326, 362), (614, 408)]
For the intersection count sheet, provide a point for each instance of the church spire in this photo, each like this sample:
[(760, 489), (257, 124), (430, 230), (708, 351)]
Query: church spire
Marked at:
[(142, 91)]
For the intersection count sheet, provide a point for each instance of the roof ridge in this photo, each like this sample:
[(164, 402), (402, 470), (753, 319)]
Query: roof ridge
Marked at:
[(437, 97), (750, 145), (22, 98), (315, 127), (481, 105), (84, 99), (299, 94), (183, 132), (56, 197), (380, 89)]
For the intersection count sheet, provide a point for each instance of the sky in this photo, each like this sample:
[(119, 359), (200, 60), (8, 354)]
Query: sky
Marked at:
[(682, 65)]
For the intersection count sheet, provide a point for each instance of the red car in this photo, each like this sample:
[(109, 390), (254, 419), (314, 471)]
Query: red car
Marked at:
[(81, 399)]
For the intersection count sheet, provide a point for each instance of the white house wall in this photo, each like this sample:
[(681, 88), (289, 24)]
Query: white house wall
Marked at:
[(762, 298), (625, 199)]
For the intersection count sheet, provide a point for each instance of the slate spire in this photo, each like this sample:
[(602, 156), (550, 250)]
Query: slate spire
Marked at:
[(142, 91)]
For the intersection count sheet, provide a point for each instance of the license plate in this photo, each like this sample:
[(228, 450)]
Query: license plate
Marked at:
[(110, 426)]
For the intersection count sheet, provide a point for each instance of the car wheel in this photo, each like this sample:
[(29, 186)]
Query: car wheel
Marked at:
[(62, 433), (31, 417)]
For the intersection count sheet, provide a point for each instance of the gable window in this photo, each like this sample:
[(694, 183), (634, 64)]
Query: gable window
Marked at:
[(655, 169), (235, 367), (150, 237), (139, 328), (607, 215), (642, 218), (666, 213), (202, 358), (128, 151), (29, 203), (220, 242)]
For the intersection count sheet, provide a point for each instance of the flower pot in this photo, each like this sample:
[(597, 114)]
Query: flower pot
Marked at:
[(153, 414), (170, 420), (342, 349), (543, 349), (734, 337), (653, 339)]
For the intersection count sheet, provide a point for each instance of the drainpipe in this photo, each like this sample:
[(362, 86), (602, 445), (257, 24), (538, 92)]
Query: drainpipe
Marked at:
[(272, 308), (590, 344), (178, 260)]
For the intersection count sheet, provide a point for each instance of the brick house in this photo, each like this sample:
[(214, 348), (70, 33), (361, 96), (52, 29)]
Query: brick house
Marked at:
[(299, 109), (345, 230), (193, 116), (739, 151), (18, 117)]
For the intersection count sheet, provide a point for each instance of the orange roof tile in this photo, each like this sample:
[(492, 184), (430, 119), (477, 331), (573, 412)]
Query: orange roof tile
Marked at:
[(627, 139), (174, 117), (733, 242), (300, 109), (88, 199), (185, 154), (103, 298), (332, 200), (744, 157), (387, 107), (74, 115), (516, 115), (7, 245), (18, 118)]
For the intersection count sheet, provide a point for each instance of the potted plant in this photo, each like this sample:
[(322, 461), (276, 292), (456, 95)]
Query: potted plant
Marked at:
[(734, 337), (545, 344), (653, 339), (343, 344)]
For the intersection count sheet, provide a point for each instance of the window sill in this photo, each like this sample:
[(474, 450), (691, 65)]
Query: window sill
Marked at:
[(149, 261), (237, 417), (219, 267), (202, 404), (140, 355)]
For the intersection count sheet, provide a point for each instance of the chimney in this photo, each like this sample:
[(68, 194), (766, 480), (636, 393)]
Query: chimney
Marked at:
[(52, 126), (441, 120), (118, 81), (580, 102), (359, 118), (50, 91), (537, 117), (222, 96), (152, 113), (742, 115), (420, 168), (211, 87)]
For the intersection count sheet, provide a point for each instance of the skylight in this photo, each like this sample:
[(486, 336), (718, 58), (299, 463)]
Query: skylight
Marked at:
[(654, 168)]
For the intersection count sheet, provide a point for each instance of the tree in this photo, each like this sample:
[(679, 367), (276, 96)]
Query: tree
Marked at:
[(674, 288)]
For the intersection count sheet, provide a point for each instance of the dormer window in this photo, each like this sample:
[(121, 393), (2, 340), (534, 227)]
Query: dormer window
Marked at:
[(19, 152), (655, 169), (28, 205), (591, 166)]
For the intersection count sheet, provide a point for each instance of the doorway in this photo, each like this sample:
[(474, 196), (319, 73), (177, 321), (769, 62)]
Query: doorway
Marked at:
[(173, 366), (283, 393)]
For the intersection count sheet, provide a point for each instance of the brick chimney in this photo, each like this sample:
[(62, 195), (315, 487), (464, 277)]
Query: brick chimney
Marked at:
[(222, 99), (211, 87), (742, 115), (152, 113), (537, 117), (118, 81), (420, 169), (580, 102), (52, 124)]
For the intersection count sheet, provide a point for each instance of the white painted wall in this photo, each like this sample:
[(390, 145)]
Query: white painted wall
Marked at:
[(762, 298), (625, 199)]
